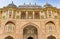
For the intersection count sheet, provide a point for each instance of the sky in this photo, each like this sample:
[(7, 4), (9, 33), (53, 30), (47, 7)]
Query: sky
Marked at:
[(55, 3)]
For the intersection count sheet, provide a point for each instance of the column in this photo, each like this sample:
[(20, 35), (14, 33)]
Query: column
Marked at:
[(26, 14), (51, 14), (12, 14), (47, 14), (39, 14), (33, 14), (3, 14), (0, 14), (8, 14), (44, 15), (21, 34), (15, 14), (20, 14)]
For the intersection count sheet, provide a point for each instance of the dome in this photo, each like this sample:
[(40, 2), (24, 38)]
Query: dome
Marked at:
[(47, 5), (12, 5)]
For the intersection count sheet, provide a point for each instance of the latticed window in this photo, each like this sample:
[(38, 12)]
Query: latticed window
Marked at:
[(49, 14), (37, 16), (23, 15), (17, 17), (42, 15), (4, 14), (9, 27), (3, 17), (30, 15), (50, 27), (55, 15), (10, 13)]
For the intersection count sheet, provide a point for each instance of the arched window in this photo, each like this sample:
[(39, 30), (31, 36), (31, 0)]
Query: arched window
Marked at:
[(8, 37), (50, 26), (51, 37), (9, 27)]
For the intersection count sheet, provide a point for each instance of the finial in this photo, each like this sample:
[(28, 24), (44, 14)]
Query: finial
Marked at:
[(46, 2), (29, 3), (48, 5), (35, 3), (24, 3), (12, 2)]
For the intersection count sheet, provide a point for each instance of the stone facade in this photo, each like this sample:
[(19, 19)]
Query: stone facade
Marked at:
[(29, 22)]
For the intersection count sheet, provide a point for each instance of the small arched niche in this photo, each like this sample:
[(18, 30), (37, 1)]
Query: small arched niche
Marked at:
[(50, 27), (9, 27)]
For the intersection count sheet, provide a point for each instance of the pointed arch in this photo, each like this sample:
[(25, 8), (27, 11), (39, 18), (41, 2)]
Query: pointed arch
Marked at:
[(9, 27), (51, 37), (9, 22), (50, 22), (50, 27), (30, 24), (9, 37), (30, 30)]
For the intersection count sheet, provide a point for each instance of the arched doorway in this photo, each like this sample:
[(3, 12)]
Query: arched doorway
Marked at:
[(51, 37), (30, 32), (30, 38), (9, 37)]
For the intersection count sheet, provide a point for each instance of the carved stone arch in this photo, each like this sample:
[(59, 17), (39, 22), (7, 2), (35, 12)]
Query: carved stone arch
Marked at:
[(30, 31), (50, 22), (30, 27), (30, 24), (9, 37), (10, 22), (51, 37), (10, 27), (50, 27)]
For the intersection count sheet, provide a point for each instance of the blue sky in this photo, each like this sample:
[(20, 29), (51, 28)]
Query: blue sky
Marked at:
[(55, 3)]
